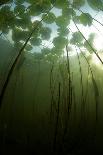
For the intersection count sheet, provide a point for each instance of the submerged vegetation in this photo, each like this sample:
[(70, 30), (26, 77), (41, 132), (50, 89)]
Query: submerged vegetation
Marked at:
[(51, 65)]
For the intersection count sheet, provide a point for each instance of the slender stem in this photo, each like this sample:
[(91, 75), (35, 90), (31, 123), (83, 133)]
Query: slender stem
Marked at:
[(81, 78), (89, 43), (91, 17), (57, 119), (18, 57), (96, 91)]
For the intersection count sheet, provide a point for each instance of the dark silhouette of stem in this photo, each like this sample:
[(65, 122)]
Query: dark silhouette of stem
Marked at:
[(91, 17), (57, 119), (18, 56), (88, 43)]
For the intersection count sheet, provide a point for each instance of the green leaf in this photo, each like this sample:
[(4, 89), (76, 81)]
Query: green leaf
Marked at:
[(18, 45), (60, 42), (86, 45), (20, 1), (61, 3), (90, 40), (28, 47), (38, 7), (85, 19), (24, 21), (19, 34), (45, 33), (78, 3), (62, 21), (4, 1), (50, 18), (76, 38), (35, 41), (96, 4), (45, 51), (57, 51), (63, 32), (6, 16), (68, 12), (19, 9)]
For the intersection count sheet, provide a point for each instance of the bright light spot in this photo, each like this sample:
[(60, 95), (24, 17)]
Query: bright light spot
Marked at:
[(33, 19), (9, 36), (98, 43), (56, 11), (96, 61), (71, 52), (47, 44)]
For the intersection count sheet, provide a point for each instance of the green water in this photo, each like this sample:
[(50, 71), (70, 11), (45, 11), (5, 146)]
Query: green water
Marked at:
[(26, 119), (51, 102)]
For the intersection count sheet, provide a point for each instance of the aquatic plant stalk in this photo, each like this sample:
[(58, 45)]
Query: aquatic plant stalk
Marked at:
[(96, 91), (57, 119), (18, 57), (91, 17), (88, 43), (81, 78)]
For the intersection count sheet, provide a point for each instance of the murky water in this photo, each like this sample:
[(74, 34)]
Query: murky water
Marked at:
[(52, 100)]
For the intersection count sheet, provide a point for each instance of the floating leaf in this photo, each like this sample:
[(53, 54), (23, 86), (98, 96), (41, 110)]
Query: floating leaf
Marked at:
[(18, 2), (19, 9), (4, 1), (45, 33), (61, 3), (50, 18), (45, 51), (35, 41), (90, 40), (62, 21), (62, 31), (6, 17), (96, 4), (56, 51), (85, 19), (87, 46), (76, 38), (60, 42), (68, 12), (23, 21), (18, 45), (39, 7), (28, 47), (18, 35), (78, 3)]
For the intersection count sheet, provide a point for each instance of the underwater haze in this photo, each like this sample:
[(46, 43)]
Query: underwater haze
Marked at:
[(51, 77)]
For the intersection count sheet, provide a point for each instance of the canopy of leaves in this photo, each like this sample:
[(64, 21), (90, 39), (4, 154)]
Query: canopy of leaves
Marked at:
[(22, 17)]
